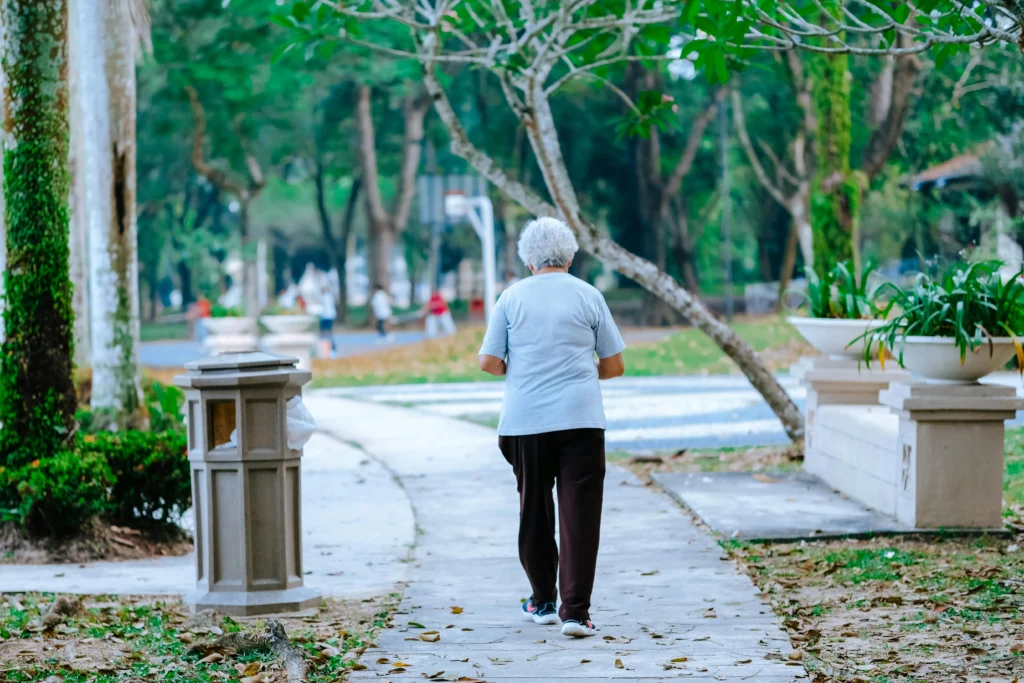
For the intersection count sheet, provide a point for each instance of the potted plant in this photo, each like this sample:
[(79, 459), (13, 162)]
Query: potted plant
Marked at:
[(287, 320), (957, 328), (229, 321), (841, 310)]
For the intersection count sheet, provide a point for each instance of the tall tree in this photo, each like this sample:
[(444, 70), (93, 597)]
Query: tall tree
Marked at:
[(107, 37), (385, 224), (37, 395)]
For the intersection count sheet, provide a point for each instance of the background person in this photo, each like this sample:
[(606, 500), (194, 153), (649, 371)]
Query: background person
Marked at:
[(438, 315), (543, 336), (328, 313), (380, 303)]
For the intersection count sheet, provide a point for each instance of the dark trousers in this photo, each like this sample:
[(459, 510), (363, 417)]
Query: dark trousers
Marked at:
[(574, 459)]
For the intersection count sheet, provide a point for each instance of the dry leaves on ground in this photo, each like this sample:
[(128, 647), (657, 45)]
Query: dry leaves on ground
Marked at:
[(897, 609)]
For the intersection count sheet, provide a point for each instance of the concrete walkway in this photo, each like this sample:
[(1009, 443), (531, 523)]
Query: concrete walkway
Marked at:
[(667, 605), (357, 530)]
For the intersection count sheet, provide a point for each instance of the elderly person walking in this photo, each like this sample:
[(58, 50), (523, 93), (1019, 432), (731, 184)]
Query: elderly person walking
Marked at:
[(553, 337)]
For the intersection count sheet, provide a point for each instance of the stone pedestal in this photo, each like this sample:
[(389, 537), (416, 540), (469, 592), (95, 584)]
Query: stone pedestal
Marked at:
[(950, 452), (838, 381), (297, 345), (245, 484)]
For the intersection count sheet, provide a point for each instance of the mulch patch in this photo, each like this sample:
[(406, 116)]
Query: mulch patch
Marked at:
[(922, 609), (98, 541), (105, 639)]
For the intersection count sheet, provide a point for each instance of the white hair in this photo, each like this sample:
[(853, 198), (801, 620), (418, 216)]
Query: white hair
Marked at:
[(547, 242)]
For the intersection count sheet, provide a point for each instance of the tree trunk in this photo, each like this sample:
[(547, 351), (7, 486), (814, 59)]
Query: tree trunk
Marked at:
[(835, 204), (250, 279), (79, 228), (116, 383), (37, 394), (788, 264)]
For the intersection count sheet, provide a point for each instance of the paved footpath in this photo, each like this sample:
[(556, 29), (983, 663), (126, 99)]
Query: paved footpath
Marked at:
[(666, 604)]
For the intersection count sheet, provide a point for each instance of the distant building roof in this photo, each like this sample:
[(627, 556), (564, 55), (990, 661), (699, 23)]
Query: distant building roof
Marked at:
[(958, 168), (964, 167)]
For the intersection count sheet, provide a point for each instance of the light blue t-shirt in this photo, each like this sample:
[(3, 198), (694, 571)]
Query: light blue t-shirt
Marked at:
[(548, 328)]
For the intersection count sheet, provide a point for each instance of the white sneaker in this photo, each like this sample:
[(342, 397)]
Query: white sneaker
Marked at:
[(578, 629)]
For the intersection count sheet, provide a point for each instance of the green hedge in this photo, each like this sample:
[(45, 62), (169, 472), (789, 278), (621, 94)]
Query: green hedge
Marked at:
[(150, 474), (55, 496), (137, 478)]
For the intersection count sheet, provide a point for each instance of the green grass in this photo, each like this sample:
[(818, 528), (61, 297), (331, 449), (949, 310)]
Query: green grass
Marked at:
[(690, 351), (1013, 486), (148, 642), (164, 332), (454, 359)]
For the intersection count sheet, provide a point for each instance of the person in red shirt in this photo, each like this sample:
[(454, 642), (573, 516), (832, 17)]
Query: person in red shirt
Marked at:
[(197, 314), (439, 316)]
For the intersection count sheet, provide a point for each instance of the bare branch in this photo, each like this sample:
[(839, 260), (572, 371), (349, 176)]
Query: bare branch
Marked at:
[(219, 179), (697, 128), (748, 147)]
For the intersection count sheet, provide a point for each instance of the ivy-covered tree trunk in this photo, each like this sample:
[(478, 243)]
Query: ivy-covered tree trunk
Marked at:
[(835, 194), (37, 395), (78, 240)]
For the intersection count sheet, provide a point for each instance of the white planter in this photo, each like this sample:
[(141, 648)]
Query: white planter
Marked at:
[(288, 324), (832, 336), (230, 326), (937, 359)]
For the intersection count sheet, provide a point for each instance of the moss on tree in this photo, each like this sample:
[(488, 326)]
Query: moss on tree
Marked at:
[(835, 195), (37, 396)]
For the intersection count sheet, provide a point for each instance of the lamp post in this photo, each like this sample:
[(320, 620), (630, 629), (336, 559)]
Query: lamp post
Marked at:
[(480, 212)]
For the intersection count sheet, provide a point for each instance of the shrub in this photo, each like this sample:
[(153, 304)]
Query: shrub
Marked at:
[(151, 474), (57, 495), (164, 405)]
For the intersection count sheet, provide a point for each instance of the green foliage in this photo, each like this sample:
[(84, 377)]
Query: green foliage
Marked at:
[(151, 476), (37, 396), (835, 195), (970, 303), (653, 110), (165, 405), (58, 494), (841, 294), (218, 311)]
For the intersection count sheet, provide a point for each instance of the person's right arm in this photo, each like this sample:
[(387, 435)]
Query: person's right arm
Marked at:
[(608, 344), (611, 367), (494, 349)]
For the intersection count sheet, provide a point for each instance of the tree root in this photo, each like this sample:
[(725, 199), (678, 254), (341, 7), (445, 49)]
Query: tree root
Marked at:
[(275, 640), (62, 608)]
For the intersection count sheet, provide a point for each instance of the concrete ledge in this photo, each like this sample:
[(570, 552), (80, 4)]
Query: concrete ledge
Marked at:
[(250, 603), (784, 506)]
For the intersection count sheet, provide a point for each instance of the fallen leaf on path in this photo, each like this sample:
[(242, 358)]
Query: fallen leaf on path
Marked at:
[(413, 624), (619, 664), (796, 655), (765, 479), (383, 660), (430, 636), (744, 661), (681, 659), (656, 571), (456, 610), (697, 640), (584, 661), (397, 670), (211, 658)]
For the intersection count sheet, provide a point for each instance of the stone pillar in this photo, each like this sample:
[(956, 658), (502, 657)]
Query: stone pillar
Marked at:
[(950, 450), (231, 335), (839, 381), (245, 484)]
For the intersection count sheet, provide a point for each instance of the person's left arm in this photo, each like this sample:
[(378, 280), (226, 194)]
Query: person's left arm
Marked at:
[(494, 349), (608, 344)]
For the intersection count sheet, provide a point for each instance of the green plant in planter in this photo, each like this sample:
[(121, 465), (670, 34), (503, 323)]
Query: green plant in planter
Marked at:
[(970, 303), (840, 294), (219, 311)]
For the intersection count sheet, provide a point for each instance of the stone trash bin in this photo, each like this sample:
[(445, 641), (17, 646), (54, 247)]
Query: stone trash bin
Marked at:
[(246, 483)]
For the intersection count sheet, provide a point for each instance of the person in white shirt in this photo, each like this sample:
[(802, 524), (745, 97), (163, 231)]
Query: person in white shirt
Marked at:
[(380, 302), (328, 312)]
